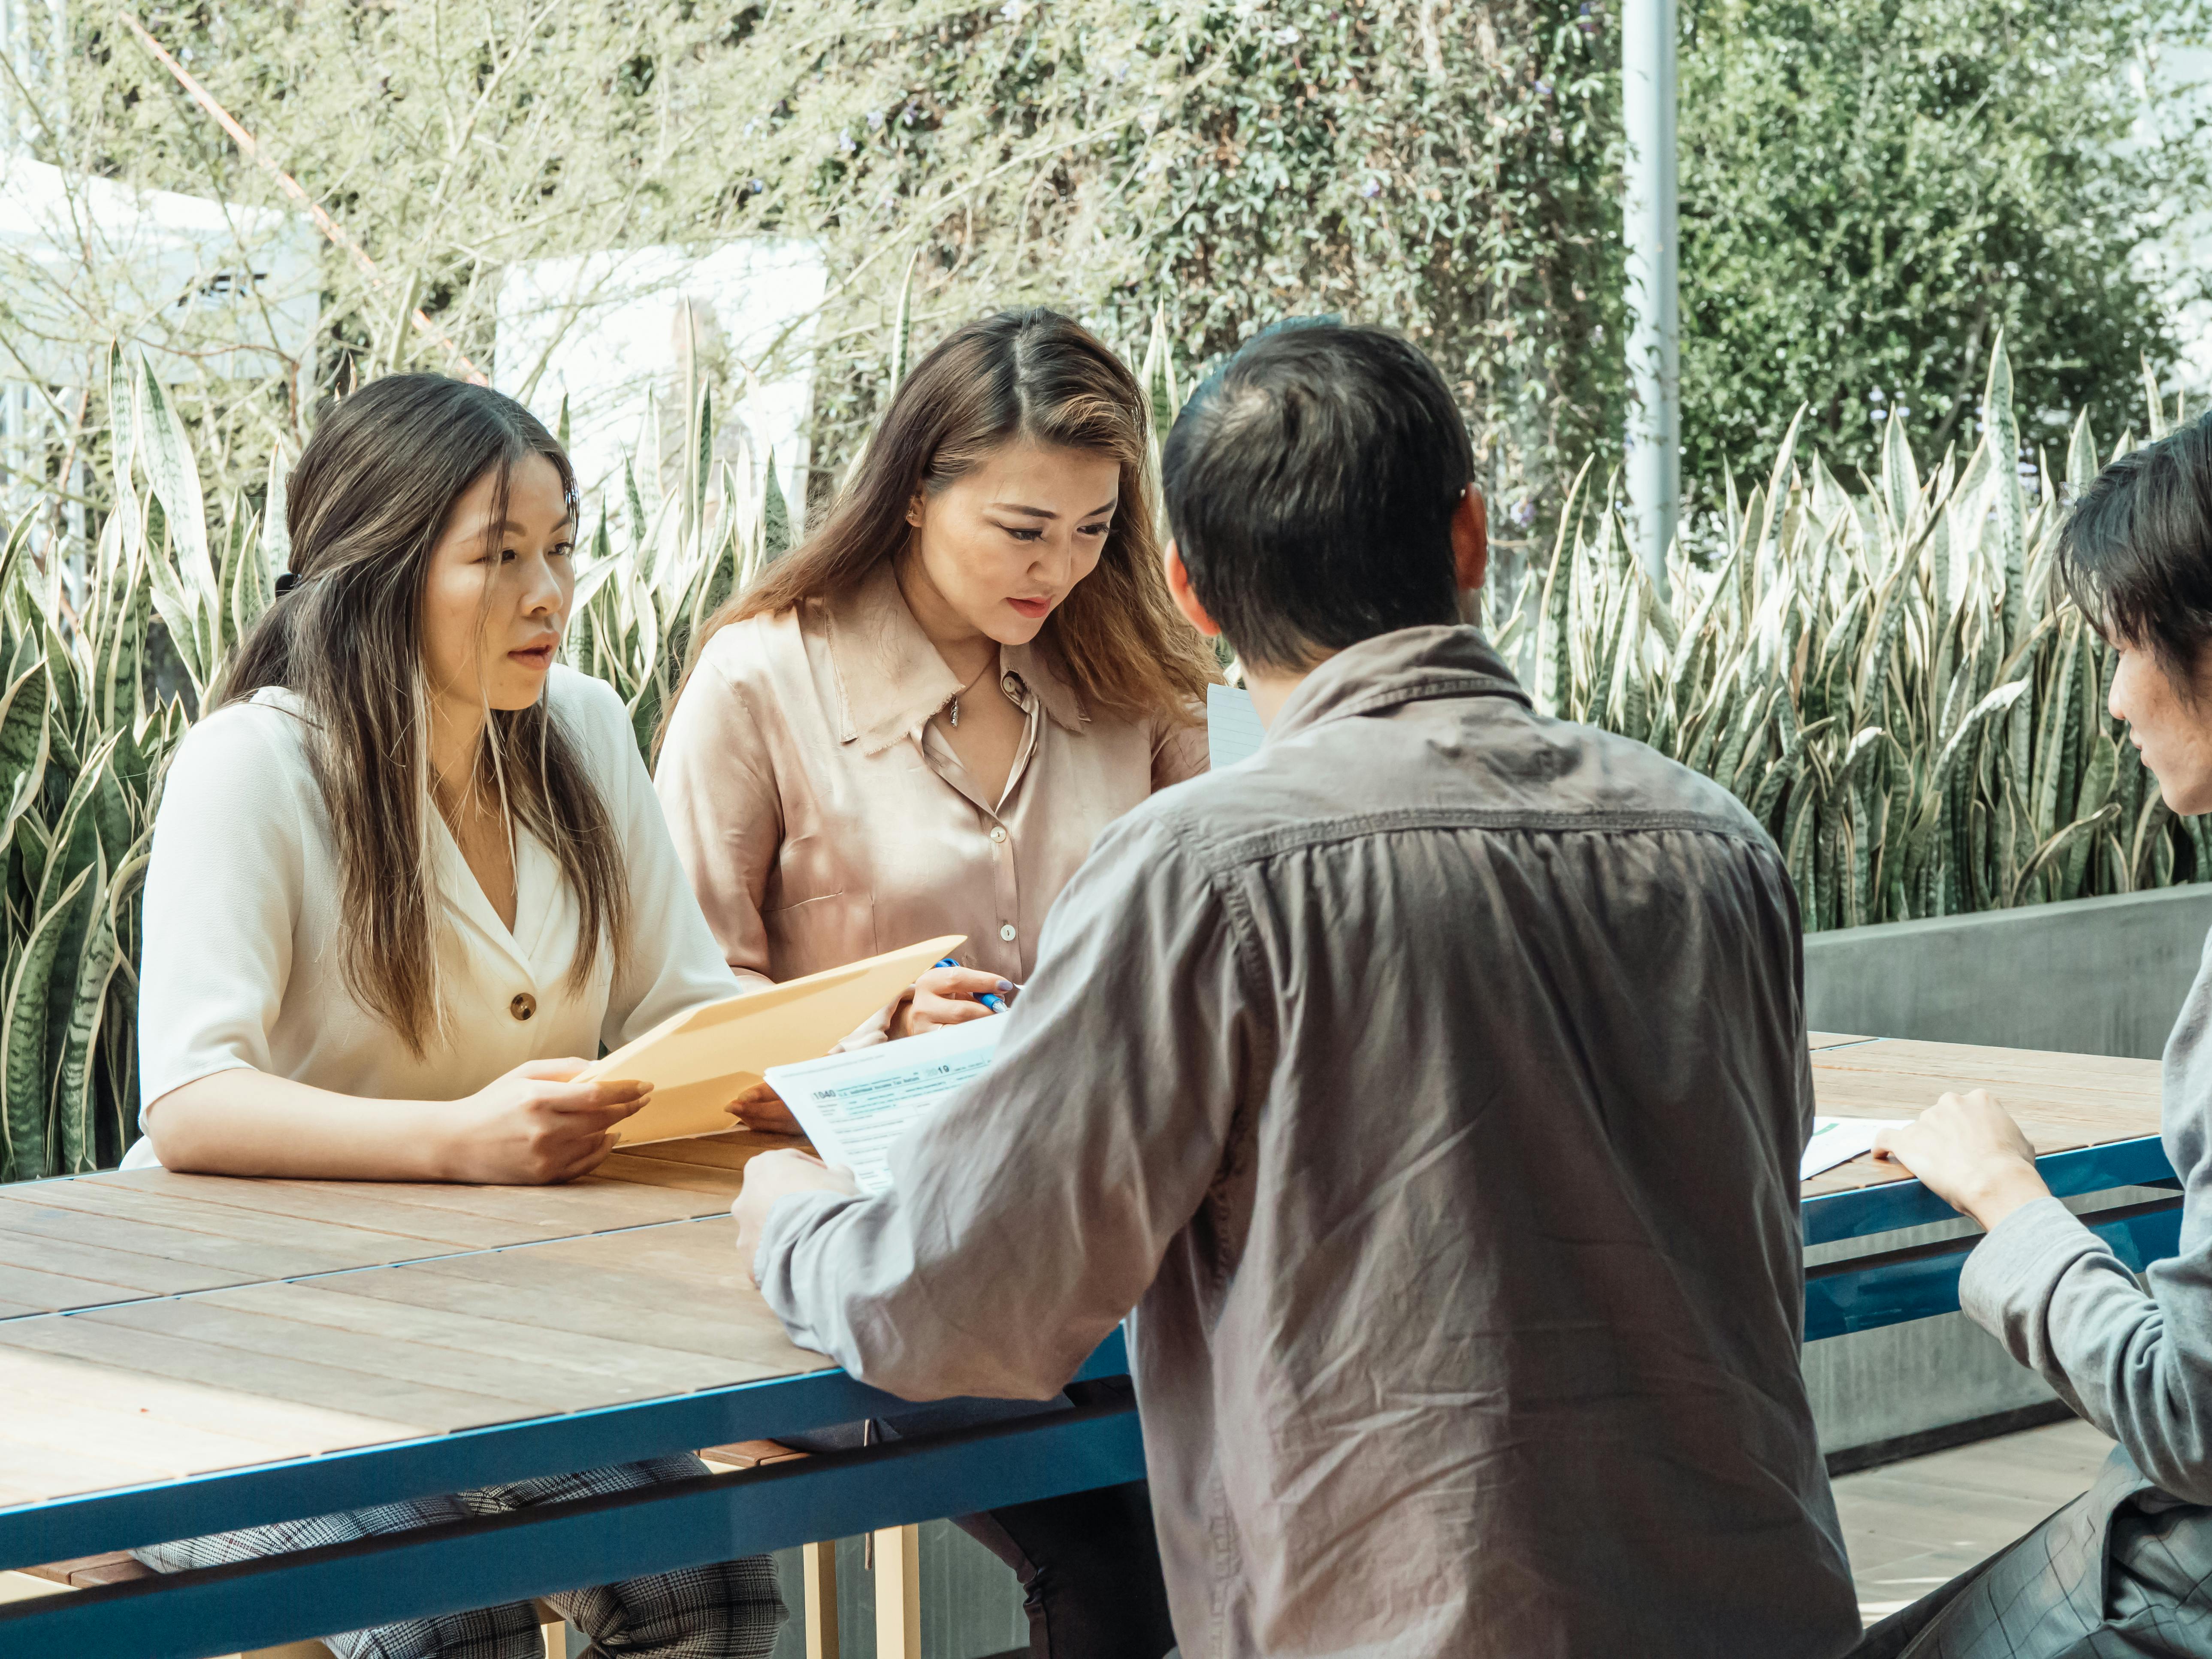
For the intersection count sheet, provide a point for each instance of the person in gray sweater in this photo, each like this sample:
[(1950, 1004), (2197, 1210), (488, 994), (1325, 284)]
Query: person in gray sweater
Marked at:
[(2126, 1569)]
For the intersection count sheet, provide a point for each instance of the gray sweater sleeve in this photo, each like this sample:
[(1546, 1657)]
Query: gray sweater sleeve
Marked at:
[(1031, 1210), (2137, 1365)]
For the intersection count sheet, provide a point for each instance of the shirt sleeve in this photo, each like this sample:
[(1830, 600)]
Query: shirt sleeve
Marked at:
[(1032, 1210), (1179, 752), (717, 789), (223, 884), (2133, 1363), (672, 963)]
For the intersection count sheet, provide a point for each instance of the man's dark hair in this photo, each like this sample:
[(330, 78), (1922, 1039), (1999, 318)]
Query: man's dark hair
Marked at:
[(1311, 482), (2136, 549)]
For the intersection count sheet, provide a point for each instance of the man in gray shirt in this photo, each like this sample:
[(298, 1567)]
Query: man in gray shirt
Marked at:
[(1432, 1086)]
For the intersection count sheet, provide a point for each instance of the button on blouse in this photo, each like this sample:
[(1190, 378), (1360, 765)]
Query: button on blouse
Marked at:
[(245, 944), (823, 817)]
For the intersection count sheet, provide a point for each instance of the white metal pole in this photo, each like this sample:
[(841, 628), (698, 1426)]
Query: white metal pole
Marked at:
[(1655, 375)]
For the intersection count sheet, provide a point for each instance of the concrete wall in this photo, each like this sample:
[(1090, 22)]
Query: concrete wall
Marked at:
[(2096, 977)]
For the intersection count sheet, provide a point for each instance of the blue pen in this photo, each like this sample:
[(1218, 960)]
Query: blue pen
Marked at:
[(996, 1004)]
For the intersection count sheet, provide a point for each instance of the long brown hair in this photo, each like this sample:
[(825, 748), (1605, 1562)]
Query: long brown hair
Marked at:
[(365, 506), (1019, 375)]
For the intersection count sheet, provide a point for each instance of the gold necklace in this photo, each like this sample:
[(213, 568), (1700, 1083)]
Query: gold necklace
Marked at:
[(953, 709)]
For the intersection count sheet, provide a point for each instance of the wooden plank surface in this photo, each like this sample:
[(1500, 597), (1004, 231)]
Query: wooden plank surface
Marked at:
[(244, 1322), (691, 1315), (37, 1380), (115, 1237), (385, 1354), (2061, 1101)]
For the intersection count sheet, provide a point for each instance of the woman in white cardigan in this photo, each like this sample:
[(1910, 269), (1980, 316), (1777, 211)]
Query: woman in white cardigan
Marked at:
[(407, 876)]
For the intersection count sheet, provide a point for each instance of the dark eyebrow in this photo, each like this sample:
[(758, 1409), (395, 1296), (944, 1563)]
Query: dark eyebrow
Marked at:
[(511, 528), (1047, 513)]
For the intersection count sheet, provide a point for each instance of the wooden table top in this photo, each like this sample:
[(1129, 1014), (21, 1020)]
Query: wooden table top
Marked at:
[(156, 1326), (2061, 1102)]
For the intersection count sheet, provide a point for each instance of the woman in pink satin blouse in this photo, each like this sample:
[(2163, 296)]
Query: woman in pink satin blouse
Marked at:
[(916, 724)]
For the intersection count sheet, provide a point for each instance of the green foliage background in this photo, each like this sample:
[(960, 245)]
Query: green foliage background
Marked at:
[(1871, 188)]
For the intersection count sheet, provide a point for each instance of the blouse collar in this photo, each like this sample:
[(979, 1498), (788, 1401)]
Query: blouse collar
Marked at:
[(891, 679)]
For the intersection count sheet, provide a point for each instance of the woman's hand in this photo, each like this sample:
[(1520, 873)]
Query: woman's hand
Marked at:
[(533, 1127), (946, 996), (942, 996), (1969, 1152), (772, 1176), (761, 1107)]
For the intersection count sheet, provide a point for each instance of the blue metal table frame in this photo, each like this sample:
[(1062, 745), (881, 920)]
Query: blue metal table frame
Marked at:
[(533, 1552), (1920, 1281), (479, 1563)]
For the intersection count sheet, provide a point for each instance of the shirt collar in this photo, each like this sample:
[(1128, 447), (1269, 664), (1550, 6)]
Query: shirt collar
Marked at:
[(892, 680), (1412, 665)]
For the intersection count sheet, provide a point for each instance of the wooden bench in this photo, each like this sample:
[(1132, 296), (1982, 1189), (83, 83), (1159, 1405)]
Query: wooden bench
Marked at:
[(898, 1569)]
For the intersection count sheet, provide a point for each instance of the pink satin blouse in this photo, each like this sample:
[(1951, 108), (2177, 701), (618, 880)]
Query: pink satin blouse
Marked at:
[(823, 818)]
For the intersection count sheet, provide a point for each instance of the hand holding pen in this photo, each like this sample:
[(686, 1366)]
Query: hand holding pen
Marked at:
[(949, 994)]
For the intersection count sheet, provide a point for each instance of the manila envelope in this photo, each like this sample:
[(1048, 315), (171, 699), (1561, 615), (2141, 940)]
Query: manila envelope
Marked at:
[(700, 1060)]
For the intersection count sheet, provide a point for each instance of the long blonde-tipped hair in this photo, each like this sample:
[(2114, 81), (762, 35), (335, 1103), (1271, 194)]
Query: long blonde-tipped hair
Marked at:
[(365, 506), (1020, 374)]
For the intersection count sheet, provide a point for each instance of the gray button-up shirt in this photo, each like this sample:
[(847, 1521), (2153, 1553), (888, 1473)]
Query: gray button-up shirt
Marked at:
[(1432, 1086)]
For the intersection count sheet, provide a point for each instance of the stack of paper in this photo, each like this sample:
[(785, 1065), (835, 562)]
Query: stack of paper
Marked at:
[(853, 1106), (1839, 1139)]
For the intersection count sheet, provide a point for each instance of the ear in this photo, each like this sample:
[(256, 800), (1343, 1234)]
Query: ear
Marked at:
[(1186, 600), (1470, 540), (913, 510)]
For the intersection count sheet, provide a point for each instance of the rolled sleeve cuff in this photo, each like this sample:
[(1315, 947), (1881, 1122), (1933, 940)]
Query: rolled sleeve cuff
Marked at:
[(875, 1028), (2011, 1275), (789, 1220)]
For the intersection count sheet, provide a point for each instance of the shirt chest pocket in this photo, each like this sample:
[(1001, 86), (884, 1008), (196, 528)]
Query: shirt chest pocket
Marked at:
[(815, 933), (807, 871)]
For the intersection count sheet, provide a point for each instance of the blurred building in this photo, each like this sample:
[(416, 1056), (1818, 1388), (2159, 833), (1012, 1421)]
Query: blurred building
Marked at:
[(618, 337)]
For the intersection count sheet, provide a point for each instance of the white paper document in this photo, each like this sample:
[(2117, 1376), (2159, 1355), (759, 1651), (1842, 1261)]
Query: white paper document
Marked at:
[(1839, 1139), (853, 1106)]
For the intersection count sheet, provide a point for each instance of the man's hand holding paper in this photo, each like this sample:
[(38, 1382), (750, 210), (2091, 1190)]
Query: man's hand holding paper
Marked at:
[(777, 1175), (854, 1107)]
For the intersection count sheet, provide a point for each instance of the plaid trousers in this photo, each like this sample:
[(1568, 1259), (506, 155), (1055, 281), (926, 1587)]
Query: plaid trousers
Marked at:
[(2121, 1573), (731, 1610)]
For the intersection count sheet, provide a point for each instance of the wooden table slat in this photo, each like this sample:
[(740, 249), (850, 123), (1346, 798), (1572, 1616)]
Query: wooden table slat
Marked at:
[(54, 1471), (577, 1368), (256, 1335), (362, 1203), (286, 1429), (173, 1448), (594, 1204), (151, 1275), (121, 1200), (403, 1406), (53, 1292), (705, 1187), (250, 1257), (731, 1149), (685, 1316)]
